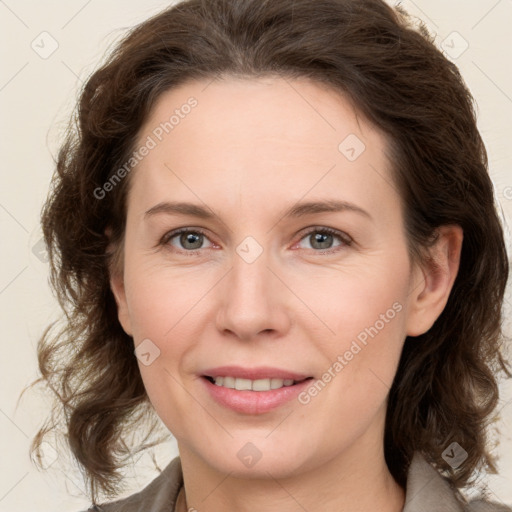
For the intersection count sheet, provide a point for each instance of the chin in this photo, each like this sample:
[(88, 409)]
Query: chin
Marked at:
[(259, 459)]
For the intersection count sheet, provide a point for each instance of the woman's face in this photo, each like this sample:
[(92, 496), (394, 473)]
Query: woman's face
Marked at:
[(295, 266)]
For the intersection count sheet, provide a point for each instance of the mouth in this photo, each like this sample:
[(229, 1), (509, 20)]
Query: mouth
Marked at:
[(253, 396), (253, 391), (260, 385)]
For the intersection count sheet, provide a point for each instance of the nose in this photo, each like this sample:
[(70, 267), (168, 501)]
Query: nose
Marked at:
[(253, 302)]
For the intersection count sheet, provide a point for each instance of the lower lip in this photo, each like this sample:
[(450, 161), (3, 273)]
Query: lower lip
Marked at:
[(254, 402)]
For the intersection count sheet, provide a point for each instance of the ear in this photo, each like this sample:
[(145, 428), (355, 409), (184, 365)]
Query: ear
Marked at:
[(117, 285), (433, 281)]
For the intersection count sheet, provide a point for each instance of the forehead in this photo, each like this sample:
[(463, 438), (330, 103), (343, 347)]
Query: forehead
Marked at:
[(298, 112), (253, 135)]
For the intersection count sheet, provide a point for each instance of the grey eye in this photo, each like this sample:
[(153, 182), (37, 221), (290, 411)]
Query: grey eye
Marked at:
[(323, 239), (188, 240)]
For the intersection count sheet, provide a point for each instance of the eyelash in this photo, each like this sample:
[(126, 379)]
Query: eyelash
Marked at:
[(343, 237)]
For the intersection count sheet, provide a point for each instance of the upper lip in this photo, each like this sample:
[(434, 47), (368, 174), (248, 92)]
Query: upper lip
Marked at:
[(260, 372)]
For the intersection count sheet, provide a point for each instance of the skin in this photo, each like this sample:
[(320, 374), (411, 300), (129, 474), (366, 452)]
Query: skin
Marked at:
[(248, 151)]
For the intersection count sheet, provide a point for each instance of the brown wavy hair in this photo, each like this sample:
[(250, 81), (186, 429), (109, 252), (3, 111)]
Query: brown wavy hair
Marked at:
[(388, 66)]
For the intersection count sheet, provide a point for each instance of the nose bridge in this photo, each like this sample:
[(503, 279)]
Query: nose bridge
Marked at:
[(250, 281), (251, 300), (250, 271)]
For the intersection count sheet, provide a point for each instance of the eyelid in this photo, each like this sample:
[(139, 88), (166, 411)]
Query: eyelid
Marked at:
[(344, 237), (313, 229)]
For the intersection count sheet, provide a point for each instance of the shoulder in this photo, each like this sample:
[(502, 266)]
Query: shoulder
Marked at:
[(428, 491), (486, 506), (159, 496)]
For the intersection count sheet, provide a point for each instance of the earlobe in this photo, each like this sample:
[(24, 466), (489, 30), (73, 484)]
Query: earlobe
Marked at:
[(433, 282)]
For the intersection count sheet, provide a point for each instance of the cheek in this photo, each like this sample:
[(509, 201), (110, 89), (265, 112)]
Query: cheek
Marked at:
[(167, 310), (365, 312), (163, 301), (360, 362), (362, 305)]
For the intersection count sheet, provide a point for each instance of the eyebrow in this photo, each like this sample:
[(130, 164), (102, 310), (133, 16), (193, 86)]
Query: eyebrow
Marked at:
[(297, 210)]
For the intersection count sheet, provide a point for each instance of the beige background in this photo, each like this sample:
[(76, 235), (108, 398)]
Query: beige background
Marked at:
[(37, 91)]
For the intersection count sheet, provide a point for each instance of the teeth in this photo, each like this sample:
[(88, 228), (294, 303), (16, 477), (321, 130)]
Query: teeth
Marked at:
[(252, 385), (243, 384)]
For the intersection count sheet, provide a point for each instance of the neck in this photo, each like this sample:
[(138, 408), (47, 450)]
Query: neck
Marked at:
[(355, 481)]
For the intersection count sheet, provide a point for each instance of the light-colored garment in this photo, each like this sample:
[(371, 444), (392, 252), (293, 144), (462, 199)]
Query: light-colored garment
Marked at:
[(427, 491)]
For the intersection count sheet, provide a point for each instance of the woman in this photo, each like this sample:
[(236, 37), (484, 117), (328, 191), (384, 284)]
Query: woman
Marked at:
[(335, 321)]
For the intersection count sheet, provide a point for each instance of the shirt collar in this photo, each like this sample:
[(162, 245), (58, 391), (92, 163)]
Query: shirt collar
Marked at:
[(428, 490)]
